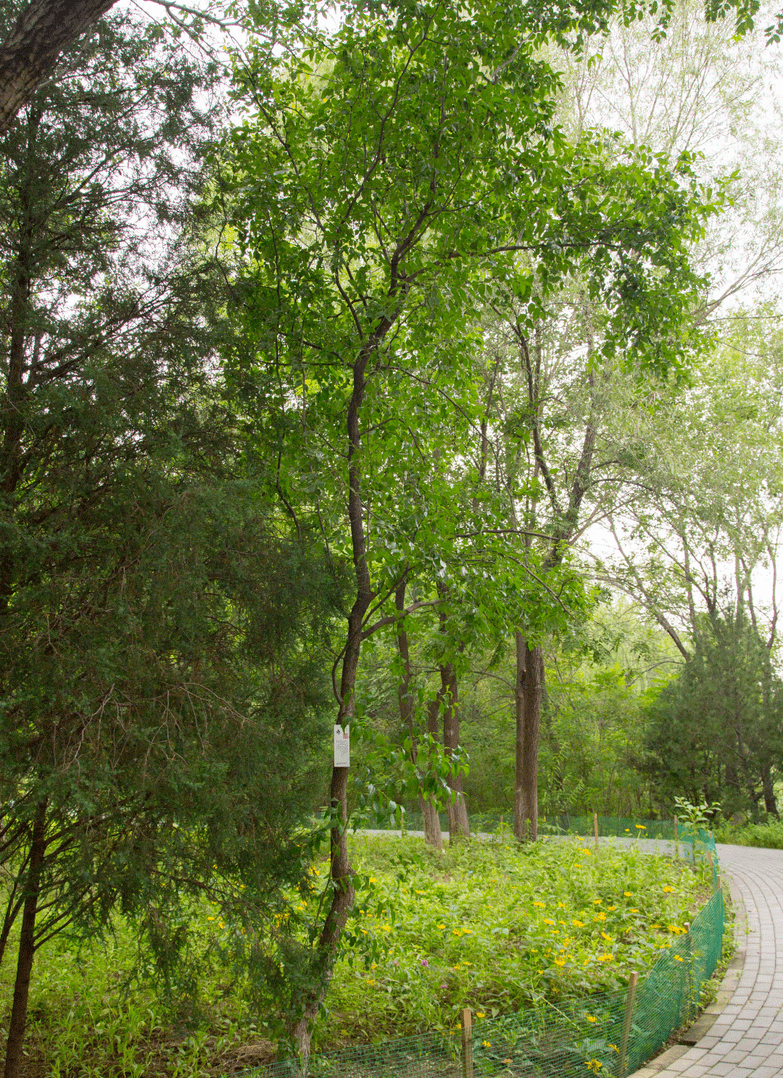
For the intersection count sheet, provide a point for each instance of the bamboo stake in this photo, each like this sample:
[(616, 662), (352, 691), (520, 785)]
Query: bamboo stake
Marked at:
[(629, 1002), (595, 828), (467, 1043)]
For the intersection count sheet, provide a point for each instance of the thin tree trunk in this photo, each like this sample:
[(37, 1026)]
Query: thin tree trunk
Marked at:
[(459, 826), (528, 695), (24, 965), (432, 833)]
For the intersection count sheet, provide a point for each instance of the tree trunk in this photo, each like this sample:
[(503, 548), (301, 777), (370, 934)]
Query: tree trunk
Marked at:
[(432, 833), (43, 29), (768, 789), (528, 694), (24, 965), (309, 991), (459, 826)]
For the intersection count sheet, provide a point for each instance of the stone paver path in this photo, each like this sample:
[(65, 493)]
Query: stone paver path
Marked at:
[(742, 1034)]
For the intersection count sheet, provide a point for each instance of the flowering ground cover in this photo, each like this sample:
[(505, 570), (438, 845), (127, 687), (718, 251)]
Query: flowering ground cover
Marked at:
[(494, 926), (489, 925)]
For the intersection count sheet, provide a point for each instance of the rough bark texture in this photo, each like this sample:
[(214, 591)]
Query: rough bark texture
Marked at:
[(458, 811), (44, 28), (24, 965), (528, 695)]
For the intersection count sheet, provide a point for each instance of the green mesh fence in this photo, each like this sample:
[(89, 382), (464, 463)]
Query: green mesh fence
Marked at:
[(610, 1034)]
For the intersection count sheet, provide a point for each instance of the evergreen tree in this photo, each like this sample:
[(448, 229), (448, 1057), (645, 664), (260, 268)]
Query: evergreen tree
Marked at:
[(162, 640)]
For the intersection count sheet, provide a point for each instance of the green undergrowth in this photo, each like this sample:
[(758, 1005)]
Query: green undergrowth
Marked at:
[(489, 925), (495, 926), (768, 835)]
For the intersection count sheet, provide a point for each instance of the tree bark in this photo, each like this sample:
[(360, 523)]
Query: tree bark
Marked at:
[(24, 965), (432, 832), (528, 694), (433, 835), (768, 789), (44, 28), (459, 826)]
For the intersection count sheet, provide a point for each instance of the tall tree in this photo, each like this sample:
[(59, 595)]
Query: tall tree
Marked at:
[(376, 178), (161, 642)]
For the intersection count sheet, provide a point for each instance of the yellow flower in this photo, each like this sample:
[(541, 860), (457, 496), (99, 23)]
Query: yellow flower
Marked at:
[(588, 852), (372, 879), (606, 958), (633, 909), (628, 894), (606, 936), (678, 959), (440, 926), (487, 1044), (640, 827), (668, 890), (579, 924), (541, 905), (594, 1065), (591, 1018), (600, 916), (577, 864), (561, 905), (597, 901), (560, 962), (610, 908), (548, 921), (480, 1014)]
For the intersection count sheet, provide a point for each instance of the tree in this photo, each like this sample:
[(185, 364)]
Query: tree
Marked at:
[(378, 178), (163, 641), (31, 50), (698, 548)]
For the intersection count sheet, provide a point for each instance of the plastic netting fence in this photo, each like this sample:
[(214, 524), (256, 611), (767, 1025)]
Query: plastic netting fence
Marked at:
[(609, 1034)]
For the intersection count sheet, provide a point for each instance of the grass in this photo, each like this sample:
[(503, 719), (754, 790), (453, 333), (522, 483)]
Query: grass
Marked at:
[(768, 835), (489, 925)]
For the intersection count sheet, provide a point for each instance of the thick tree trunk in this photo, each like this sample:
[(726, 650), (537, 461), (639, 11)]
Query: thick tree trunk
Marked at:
[(528, 694), (459, 826), (768, 789), (44, 28), (24, 965)]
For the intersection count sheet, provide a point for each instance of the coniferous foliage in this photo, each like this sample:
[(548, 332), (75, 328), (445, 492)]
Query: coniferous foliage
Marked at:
[(162, 642), (715, 731)]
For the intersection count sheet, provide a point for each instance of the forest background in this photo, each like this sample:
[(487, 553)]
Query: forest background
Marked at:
[(335, 351)]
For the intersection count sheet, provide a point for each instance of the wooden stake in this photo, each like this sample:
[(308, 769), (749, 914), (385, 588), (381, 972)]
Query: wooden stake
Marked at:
[(718, 882), (595, 827), (467, 1043), (630, 999), (676, 843)]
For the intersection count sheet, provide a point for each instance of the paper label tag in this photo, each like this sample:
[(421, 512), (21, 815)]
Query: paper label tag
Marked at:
[(342, 746)]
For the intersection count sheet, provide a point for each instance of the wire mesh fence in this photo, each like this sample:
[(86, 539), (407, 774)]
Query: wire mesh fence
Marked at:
[(608, 1034)]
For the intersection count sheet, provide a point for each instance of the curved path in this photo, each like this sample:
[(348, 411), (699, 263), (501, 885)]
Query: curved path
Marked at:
[(742, 1033)]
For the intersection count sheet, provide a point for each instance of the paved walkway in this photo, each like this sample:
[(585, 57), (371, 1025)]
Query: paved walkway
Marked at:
[(742, 1033)]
